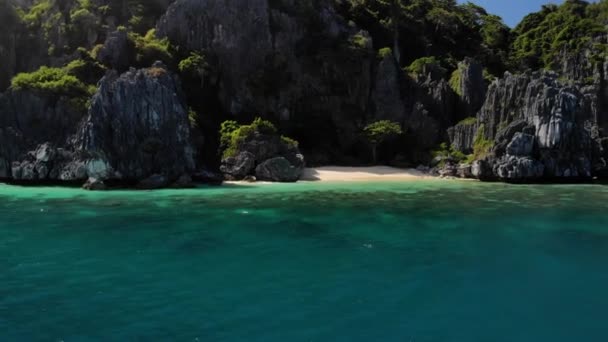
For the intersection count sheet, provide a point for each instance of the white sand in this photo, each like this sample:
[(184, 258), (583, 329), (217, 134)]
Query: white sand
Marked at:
[(374, 173)]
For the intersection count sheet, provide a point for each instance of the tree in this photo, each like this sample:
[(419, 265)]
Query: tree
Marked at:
[(380, 132)]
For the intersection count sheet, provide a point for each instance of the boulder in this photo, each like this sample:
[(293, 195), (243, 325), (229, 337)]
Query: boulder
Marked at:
[(512, 168), (278, 170), (94, 184), (239, 166), (464, 171)]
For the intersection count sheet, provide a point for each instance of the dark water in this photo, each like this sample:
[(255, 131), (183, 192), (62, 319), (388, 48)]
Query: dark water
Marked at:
[(414, 261)]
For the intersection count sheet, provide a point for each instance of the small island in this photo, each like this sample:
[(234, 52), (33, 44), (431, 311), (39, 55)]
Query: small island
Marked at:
[(303, 170), (149, 96)]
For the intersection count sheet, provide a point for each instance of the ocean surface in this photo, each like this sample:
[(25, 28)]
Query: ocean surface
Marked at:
[(410, 262)]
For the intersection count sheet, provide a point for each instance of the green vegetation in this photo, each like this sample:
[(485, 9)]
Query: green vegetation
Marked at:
[(52, 80), (482, 147), (232, 135), (385, 52), (425, 64), (468, 121), (447, 152), (150, 49), (380, 132), (542, 37), (455, 81)]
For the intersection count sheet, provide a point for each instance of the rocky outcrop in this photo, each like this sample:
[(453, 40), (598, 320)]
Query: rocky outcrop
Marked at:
[(139, 123), (462, 136), (471, 86), (267, 156), (116, 52), (137, 127), (542, 128), (386, 94)]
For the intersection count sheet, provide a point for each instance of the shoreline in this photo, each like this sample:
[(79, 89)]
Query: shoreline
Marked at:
[(361, 174)]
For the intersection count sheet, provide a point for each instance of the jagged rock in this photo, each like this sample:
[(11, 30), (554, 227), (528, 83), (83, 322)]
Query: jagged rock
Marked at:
[(239, 166), (153, 182), (514, 168), (521, 145), (278, 170), (424, 129), (481, 170), (462, 136), (139, 122), (94, 184), (116, 51), (472, 86), (464, 171), (386, 94), (551, 124), (5, 170)]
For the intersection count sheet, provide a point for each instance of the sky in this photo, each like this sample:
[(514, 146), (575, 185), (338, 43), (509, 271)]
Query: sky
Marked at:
[(512, 11)]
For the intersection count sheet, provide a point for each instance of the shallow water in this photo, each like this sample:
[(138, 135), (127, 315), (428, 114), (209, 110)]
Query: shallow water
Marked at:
[(412, 261)]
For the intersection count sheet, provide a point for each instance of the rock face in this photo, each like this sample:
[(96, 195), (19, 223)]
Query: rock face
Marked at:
[(462, 136), (137, 127), (116, 51), (542, 128), (472, 88), (139, 124), (282, 59)]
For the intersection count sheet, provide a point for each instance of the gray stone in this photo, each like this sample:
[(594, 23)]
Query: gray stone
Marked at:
[(277, 170), (462, 136), (239, 166), (94, 184), (521, 145), (514, 168)]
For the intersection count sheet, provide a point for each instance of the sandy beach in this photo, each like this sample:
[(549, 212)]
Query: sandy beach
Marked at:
[(373, 173)]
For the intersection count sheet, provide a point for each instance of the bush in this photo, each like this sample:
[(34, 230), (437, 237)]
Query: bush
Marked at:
[(87, 70), (468, 121), (263, 126), (195, 64), (482, 146), (150, 49), (455, 80), (385, 52), (424, 65), (53, 80), (290, 143), (447, 151), (232, 135), (379, 132)]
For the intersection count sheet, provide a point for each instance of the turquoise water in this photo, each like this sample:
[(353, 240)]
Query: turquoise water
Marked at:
[(412, 261)]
